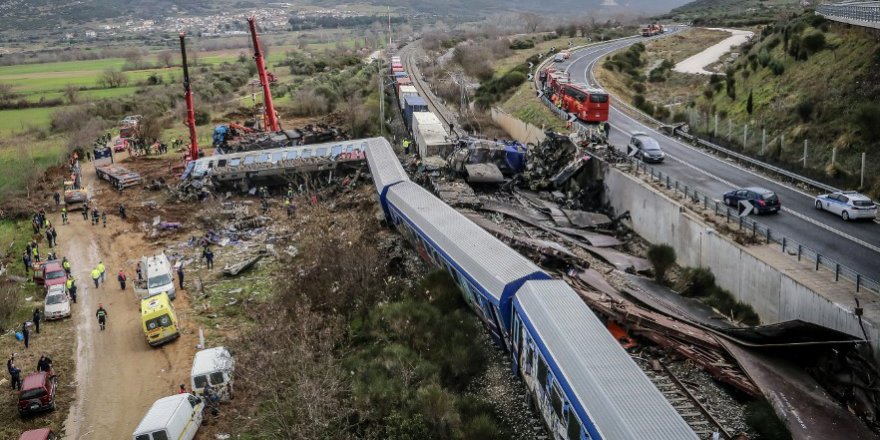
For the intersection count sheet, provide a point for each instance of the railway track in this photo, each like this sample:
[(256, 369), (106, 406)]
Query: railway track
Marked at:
[(681, 395), (434, 104)]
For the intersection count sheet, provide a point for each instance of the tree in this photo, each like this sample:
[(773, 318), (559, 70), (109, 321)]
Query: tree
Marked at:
[(134, 59), (531, 20), (165, 58), (71, 93), (813, 42), (731, 84), (750, 105), (6, 92), (662, 257), (112, 79)]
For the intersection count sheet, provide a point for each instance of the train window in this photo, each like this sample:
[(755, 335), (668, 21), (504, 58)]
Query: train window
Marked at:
[(221, 163), (306, 154), (276, 157), (556, 399), (574, 426), (349, 148), (263, 157), (292, 154), (542, 373), (249, 160), (336, 150), (321, 152), (235, 162)]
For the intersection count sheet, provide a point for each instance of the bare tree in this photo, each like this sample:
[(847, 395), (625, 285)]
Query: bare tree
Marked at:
[(6, 92), (112, 79), (71, 93), (134, 59), (531, 20), (165, 58)]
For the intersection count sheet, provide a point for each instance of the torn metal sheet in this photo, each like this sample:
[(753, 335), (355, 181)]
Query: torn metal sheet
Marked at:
[(596, 280), (530, 217), (237, 268), (584, 219), (665, 300), (484, 173), (804, 407), (569, 170), (620, 260), (593, 238), (455, 193), (543, 247)]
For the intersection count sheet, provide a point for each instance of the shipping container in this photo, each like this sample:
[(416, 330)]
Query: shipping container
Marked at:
[(399, 82), (401, 75), (404, 92), (430, 135), (413, 104)]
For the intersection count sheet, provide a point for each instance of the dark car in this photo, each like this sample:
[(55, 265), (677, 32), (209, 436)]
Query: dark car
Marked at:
[(645, 148), (37, 393), (763, 200)]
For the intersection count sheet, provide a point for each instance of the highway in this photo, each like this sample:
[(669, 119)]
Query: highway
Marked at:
[(853, 244)]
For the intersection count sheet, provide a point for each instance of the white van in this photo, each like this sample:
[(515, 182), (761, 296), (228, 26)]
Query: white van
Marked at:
[(214, 366), (158, 277), (175, 417)]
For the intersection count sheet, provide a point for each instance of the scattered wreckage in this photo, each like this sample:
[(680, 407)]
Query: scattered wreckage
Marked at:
[(236, 138)]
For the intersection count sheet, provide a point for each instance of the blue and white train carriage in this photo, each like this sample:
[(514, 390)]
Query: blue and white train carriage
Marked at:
[(583, 382)]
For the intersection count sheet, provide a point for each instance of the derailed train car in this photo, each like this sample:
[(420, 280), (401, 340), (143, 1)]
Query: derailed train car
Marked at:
[(582, 381)]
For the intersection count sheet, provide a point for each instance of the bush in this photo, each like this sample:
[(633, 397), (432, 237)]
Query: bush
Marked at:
[(522, 44), (764, 58), (638, 87), (813, 42), (662, 257), (777, 67), (805, 110), (868, 121), (202, 117)]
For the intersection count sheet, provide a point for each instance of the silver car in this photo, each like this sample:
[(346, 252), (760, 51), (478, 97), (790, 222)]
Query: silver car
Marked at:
[(57, 304), (849, 205)]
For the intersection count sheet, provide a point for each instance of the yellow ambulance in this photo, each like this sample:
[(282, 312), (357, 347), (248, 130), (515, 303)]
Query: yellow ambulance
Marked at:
[(158, 319)]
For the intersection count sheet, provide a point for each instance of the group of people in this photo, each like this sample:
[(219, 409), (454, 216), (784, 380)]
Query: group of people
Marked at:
[(43, 364)]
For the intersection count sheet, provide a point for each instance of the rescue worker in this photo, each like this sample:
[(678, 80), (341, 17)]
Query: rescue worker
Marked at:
[(180, 274), (71, 288), (95, 215), (104, 217), (291, 208), (101, 269), (35, 253), (57, 198), (96, 276), (26, 333), (102, 316), (139, 271), (66, 266), (49, 237), (121, 278), (406, 146), (290, 191), (26, 259), (45, 364), (264, 205), (209, 257), (15, 375), (36, 319), (122, 211), (85, 212), (182, 389), (63, 216)]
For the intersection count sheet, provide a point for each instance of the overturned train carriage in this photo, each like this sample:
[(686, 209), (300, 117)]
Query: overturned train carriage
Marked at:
[(279, 164), (583, 383)]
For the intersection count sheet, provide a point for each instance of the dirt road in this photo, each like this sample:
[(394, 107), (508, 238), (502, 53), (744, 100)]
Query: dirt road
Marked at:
[(696, 63), (118, 375)]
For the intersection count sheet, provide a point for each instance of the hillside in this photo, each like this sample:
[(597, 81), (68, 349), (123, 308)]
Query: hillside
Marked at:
[(733, 12), (24, 15), (569, 7), (807, 79)]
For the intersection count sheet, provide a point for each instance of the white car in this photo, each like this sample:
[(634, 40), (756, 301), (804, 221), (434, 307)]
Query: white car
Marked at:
[(57, 303), (849, 205)]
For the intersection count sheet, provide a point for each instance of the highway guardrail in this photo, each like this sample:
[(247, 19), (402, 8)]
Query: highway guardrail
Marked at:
[(866, 13)]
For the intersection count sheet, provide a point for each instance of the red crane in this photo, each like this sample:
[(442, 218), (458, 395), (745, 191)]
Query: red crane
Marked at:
[(270, 118), (190, 109)]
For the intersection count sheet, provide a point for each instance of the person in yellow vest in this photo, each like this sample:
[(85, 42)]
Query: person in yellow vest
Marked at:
[(66, 266), (71, 288), (96, 276), (101, 269)]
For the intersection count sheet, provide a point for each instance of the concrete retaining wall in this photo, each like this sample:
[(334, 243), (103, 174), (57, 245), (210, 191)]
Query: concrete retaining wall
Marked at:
[(519, 130), (774, 285)]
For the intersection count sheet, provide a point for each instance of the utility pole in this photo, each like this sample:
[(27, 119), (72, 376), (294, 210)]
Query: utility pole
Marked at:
[(833, 156), (381, 98), (763, 140), (729, 129), (715, 133), (745, 136), (862, 184)]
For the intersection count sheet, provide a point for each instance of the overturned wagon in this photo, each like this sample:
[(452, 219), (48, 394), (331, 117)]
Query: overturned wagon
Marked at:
[(278, 165)]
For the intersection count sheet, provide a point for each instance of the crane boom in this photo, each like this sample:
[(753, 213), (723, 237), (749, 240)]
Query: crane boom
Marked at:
[(270, 118), (190, 108)]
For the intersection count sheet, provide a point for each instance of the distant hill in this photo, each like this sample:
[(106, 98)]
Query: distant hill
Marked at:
[(733, 12), (30, 15)]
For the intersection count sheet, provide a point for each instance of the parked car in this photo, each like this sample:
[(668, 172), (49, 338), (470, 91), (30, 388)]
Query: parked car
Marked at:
[(849, 205), (120, 145), (763, 200), (214, 366), (38, 434), (645, 148), (50, 273), (57, 304), (560, 57), (37, 393)]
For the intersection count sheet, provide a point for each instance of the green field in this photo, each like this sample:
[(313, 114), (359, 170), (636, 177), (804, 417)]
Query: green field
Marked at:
[(17, 161), (12, 121)]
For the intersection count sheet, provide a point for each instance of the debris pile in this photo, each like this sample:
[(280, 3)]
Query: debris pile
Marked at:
[(231, 139)]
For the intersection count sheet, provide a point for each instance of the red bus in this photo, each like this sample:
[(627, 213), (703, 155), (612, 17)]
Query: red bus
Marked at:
[(587, 103)]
